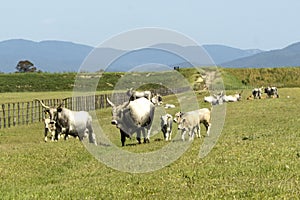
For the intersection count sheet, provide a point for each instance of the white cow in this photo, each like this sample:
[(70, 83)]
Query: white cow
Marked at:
[(214, 99), (232, 98), (75, 123), (133, 117), (133, 94)]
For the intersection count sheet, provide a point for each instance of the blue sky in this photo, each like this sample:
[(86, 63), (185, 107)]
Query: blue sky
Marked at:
[(263, 24)]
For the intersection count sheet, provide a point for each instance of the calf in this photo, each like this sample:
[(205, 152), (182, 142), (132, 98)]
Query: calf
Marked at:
[(190, 121), (49, 128), (166, 126)]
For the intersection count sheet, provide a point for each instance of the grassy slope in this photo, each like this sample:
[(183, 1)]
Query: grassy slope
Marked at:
[(233, 79), (256, 157)]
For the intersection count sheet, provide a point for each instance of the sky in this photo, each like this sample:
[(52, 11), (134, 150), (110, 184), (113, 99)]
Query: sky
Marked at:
[(248, 24)]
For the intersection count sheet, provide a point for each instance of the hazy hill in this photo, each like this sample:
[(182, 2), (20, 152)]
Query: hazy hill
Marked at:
[(288, 56), (221, 54), (50, 56), (60, 56)]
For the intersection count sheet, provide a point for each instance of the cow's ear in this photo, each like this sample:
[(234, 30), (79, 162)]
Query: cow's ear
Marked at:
[(59, 109)]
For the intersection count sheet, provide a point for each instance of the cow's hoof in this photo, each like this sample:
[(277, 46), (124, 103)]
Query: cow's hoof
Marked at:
[(139, 140), (146, 140)]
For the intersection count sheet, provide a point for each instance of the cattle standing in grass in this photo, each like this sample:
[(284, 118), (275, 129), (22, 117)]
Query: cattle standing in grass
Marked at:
[(75, 123), (256, 93), (133, 116), (272, 92), (190, 122), (166, 126)]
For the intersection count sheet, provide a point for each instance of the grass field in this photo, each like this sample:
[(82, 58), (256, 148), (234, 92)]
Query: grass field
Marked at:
[(234, 78), (256, 157)]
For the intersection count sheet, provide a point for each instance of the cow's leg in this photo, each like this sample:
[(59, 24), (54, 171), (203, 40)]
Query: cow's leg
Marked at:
[(207, 126), (170, 134), (183, 134), (58, 131), (67, 131), (92, 137), (146, 138), (52, 135), (148, 135), (46, 133), (192, 133), (123, 138), (138, 135), (166, 135), (198, 131)]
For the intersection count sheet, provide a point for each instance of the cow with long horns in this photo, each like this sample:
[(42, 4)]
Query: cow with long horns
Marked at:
[(75, 123), (133, 116)]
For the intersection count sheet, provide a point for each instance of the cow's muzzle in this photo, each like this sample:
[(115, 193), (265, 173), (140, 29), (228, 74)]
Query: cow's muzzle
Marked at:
[(114, 122)]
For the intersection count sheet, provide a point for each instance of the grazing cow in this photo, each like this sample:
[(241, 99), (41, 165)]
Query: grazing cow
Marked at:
[(190, 121), (133, 116), (256, 93), (133, 94), (75, 123), (166, 126), (272, 91), (49, 127)]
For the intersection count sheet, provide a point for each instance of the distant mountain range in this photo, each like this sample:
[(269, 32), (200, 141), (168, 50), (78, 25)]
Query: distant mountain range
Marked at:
[(61, 56), (286, 57)]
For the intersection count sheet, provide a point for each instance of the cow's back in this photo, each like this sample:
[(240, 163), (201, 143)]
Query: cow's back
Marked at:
[(141, 111)]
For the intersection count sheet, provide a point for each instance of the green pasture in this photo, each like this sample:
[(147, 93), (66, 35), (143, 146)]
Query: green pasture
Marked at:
[(234, 78), (257, 156)]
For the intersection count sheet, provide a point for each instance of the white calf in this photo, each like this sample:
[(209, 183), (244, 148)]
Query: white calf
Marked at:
[(166, 126)]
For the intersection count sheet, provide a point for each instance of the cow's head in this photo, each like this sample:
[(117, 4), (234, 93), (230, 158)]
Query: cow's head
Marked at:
[(165, 119), (177, 117), (51, 111), (181, 124), (118, 112)]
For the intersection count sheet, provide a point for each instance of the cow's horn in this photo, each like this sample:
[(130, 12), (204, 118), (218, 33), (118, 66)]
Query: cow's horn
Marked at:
[(110, 103), (63, 101), (47, 107)]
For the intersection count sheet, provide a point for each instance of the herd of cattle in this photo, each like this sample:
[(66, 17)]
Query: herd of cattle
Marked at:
[(136, 116)]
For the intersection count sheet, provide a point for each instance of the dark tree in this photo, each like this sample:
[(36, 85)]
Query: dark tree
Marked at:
[(25, 66)]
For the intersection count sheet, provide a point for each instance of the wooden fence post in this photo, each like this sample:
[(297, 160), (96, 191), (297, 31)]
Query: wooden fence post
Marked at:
[(4, 116), (8, 115), (27, 112), (14, 114)]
